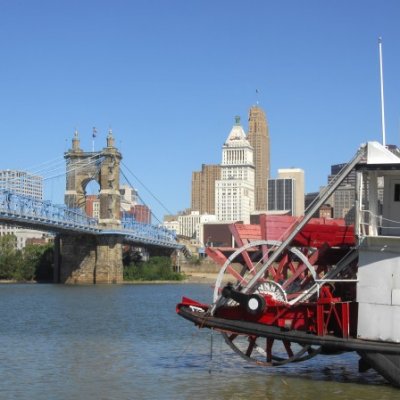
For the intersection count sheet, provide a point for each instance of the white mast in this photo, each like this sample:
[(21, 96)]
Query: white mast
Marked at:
[(382, 97)]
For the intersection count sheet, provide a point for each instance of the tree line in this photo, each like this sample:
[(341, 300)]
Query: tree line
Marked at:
[(155, 269), (35, 263), (32, 263)]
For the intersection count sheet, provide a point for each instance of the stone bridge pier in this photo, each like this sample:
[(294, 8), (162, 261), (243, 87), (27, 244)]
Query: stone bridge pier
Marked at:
[(85, 258)]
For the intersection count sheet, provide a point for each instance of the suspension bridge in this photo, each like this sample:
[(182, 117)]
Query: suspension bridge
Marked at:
[(87, 249)]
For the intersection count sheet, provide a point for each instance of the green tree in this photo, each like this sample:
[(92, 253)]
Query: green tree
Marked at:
[(22, 271), (37, 263), (10, 257), (34, 262), (44, 265), (157, 268)]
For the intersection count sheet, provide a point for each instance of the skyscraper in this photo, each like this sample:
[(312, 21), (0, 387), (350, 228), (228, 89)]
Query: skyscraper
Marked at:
[(286, 193), (234, 192), (297, 175), (281, 195), (22, 182), (26, 184), (258, 136), (203, 188), (343, 200)]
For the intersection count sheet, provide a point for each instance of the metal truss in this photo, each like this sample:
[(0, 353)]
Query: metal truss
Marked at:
[(17, 209), (150, 234)]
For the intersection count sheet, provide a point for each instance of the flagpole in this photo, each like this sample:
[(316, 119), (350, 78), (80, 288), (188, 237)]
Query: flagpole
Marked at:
[(382, 96), (94, 131)]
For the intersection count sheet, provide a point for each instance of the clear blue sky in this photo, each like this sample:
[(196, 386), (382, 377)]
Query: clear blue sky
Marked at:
[(169, 77)]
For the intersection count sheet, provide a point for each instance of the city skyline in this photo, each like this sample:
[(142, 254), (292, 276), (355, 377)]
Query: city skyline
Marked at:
[(204, 181), (168, 78)]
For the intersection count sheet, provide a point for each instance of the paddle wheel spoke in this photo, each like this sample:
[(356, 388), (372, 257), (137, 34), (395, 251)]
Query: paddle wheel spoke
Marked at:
[(293, 271), (268, 347), (275, 353), (233, 336), (239, 276), (288, 348), (252, 344)]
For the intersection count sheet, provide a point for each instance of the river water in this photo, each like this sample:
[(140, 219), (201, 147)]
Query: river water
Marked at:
[(126, 342)]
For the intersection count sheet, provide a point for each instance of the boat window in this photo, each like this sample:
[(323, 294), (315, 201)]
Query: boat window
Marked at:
[(397, 192)]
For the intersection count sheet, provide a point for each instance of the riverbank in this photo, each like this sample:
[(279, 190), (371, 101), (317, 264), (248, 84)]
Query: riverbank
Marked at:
[(200, 277), (192, 278), (205, 273)]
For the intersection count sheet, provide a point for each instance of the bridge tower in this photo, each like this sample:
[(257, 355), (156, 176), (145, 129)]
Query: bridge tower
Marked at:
[(87, 258)]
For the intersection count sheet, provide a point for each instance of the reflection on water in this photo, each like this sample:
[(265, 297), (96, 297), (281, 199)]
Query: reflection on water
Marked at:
[(126, 342)]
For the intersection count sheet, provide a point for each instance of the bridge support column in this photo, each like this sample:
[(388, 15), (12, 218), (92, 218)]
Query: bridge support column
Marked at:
[(109, 268), (87, 259)]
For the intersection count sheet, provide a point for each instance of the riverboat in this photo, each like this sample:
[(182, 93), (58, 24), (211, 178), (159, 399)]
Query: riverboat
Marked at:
[(301, 287)]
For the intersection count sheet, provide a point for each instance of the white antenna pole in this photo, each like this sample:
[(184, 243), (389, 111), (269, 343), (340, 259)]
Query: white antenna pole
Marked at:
[(382, 97)]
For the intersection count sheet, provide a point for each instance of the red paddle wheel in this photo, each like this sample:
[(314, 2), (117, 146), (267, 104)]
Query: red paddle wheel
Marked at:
[(294, 288), (279, 294)]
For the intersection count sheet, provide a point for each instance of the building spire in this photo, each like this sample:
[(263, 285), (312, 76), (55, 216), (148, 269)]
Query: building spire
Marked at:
[(76, 142), (110, 139)]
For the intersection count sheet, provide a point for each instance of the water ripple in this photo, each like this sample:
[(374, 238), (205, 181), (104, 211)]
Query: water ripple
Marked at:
[(126, 342)]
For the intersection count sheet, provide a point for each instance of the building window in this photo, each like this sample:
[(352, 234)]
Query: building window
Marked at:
[(397, 192)]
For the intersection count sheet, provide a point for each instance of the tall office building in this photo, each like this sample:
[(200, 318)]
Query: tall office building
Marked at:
[(26, 184), (234, 192), (130, 205), (190, 225), (281, 195), (203, 188), (286, 193), (297, 175), (348, 180), (258, 136), (129, 197), (343, 200), (22, 182)]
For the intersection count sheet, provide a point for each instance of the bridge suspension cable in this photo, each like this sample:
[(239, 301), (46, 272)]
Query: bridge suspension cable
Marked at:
[(57, 165), (56, 168), (93, 161), (49, 171), (38, 168), (147, 189), (140, 198)]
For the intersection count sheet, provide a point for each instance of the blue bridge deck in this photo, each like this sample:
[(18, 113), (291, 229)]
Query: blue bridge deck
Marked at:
[(16, 209)]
